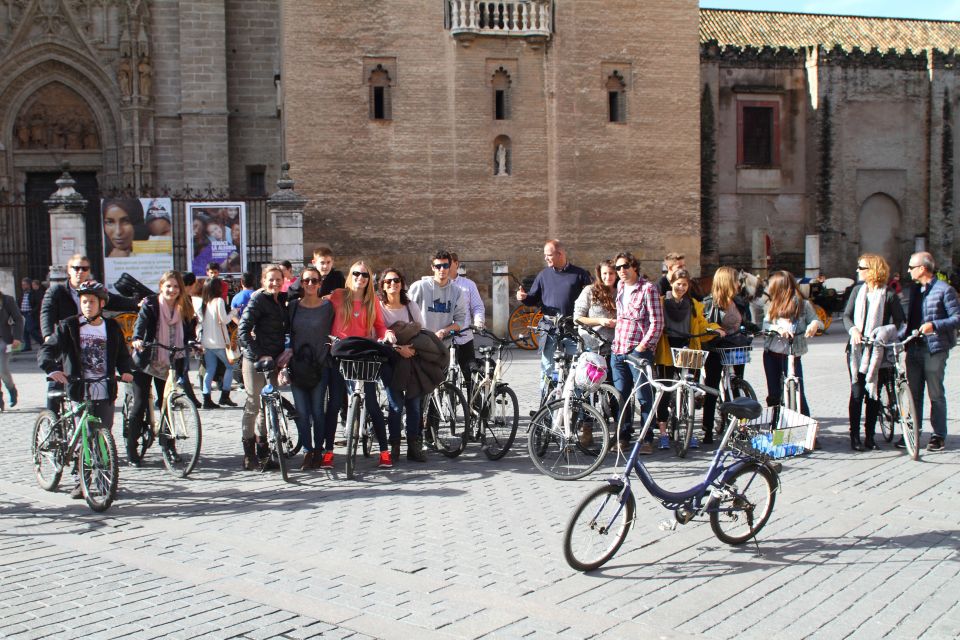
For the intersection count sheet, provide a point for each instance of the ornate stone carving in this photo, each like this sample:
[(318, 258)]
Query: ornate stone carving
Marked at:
[(56, 117), (125, 77), (145, 71)]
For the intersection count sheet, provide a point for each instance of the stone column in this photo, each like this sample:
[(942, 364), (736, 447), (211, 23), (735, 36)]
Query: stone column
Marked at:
[(286, 220), (68, 230)]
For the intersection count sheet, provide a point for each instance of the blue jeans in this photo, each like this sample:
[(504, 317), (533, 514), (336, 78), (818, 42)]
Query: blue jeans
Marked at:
[(210, 357), (925, 369), (399, 403), (547, 348), (310, 412), (334, 386), (624, 375)]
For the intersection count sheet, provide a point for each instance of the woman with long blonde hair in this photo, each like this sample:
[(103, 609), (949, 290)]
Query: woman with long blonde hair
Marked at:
[(358, 315), (871, 306), (790, 315), (721, 310)]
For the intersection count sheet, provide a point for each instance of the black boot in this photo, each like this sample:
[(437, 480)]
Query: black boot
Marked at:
[(208, 403), (263, 454), (868, 442), (855, 443), (225, 400), (415, 451), (395, 450), (249, 454)]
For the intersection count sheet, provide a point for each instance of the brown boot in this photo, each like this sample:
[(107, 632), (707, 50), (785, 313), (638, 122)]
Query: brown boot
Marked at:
[(307, 461), (249, 454), (415, 451), (586, 435)]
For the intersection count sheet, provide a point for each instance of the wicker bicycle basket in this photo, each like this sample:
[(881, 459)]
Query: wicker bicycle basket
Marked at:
[(735, 355), (360, 370), (776, 433), (688, 358)]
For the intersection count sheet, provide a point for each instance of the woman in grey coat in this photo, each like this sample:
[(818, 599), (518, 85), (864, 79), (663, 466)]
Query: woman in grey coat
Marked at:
[(11, 333)]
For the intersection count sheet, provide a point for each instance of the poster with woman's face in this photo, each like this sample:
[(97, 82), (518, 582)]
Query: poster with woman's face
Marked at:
[(217, 233), (137, 239)]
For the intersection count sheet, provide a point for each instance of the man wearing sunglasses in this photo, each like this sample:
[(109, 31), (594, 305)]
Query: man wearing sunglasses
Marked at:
[(934, 311), (443, 305), (62, 301), (555, 290)]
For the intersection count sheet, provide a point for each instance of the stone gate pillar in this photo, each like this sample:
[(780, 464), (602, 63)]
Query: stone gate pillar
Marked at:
[(286, 220), (68, 230)]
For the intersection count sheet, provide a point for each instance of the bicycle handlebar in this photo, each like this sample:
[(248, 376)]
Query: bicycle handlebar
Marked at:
[(192, 344), (910, 338)]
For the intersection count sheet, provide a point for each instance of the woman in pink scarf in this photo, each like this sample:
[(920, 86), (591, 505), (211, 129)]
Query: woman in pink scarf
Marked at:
[(166, 318)]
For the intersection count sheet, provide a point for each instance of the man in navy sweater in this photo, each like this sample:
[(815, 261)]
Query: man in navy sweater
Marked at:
[(554, 290)]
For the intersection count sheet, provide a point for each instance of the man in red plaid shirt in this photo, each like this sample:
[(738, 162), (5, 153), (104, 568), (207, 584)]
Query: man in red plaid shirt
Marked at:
[(639, 325)]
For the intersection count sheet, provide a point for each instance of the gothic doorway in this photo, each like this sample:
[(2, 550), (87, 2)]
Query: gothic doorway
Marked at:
[(879, 225), (39, 187)]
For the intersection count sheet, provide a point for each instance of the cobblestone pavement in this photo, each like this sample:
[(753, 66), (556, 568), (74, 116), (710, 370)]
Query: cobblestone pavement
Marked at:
[(860, 545)]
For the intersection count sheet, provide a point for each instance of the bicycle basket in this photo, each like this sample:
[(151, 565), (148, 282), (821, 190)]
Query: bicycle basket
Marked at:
[(777, 433), (735, 355), (590, 372), (688, 358), (360, 370)]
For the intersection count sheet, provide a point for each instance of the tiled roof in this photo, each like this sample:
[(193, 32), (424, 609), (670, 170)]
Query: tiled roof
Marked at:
[(759, 28)]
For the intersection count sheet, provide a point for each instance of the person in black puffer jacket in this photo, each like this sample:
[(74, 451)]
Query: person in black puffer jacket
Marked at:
[(261, 335)]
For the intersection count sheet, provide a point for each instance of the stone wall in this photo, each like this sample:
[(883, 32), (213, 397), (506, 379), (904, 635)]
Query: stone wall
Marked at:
[(394, 191)]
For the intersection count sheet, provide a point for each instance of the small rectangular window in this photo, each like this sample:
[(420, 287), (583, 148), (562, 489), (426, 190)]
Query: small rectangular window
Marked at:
[(613, 98), (501, 104), (256, 181), (758, 135), (379, 110)]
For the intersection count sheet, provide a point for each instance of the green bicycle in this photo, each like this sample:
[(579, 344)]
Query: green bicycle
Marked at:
[(71, 434)]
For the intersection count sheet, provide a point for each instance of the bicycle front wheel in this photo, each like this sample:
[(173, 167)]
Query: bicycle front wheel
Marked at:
[(908, 419), (500, 423), (887, 418), (791, 396), (684, 429), (447, 420), (744, 504), (138, 443), (353, 436), (276, 440), (520, 329), (568, 452), (598, 526), (739, 388), (180, 436), (99, 468), (46, 450)]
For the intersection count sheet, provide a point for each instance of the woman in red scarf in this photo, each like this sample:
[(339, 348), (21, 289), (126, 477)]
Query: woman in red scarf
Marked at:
[(166, 318)]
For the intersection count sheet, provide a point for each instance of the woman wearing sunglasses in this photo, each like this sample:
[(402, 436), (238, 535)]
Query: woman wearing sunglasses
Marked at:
[(397, 307), (357, 314)]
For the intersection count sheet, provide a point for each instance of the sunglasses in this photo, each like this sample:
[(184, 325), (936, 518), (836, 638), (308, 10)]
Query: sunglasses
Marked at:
[(310, 280), (441, 265), (78, 267), (862, 268), (621, 267), (391, 281), (914, 266), (360, 274)]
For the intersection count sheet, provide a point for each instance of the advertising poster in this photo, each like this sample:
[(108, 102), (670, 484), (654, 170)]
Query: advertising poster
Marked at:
[(217, 232), (137, 239)]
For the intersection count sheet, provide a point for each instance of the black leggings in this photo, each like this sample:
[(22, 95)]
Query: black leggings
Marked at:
[(858, 393)]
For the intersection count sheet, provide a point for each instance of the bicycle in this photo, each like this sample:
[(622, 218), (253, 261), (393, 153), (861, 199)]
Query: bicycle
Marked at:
[(446, 417), (683, 410), (789, 382), (358, 371), (74, 434), (179, 429), (494, 410), (897, 405), (522, 319), (282, 443), (737, 494), (731, 384)]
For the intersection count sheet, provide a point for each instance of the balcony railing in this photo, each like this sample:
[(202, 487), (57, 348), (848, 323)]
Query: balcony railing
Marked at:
[(530, 18)]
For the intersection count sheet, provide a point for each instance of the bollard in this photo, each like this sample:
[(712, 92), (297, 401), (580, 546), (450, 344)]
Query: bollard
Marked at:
[(500, 295)]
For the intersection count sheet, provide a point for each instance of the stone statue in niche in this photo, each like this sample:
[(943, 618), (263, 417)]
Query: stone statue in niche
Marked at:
[(23, 134), (501, 160), (146, 77), (38, 129), (56, 117), (125, 78)]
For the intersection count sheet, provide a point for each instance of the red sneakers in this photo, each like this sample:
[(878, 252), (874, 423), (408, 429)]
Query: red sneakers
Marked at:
[(327, 461), (385, 461)]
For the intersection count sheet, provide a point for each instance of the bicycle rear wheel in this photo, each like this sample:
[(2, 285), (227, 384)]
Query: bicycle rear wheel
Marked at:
[(889, 415), (520, 329), (180, 436), (446, 420), (908, 419), (45, 447), (500, 423), (277, 449), (99, 469), (744, 504), (597, 527), (136, 442), (565, 457), (352, 428)]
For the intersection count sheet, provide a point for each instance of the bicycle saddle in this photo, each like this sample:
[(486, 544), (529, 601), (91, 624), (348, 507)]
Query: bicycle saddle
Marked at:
[(743, 407), (56, 394), (264, 367)]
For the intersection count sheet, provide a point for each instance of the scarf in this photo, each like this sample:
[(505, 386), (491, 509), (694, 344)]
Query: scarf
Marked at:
[(169, 332), (867, 316)]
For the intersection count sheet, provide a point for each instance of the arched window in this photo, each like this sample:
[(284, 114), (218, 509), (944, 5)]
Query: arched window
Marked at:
[(501, 95), (502, 156), (616, 98), (380, 106)]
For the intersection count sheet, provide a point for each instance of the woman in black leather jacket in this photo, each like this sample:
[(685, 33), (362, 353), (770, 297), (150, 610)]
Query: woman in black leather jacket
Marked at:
[(167, 318), (261, 334)]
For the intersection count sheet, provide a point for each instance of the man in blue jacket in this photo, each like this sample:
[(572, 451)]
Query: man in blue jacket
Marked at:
[(935, 312)]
